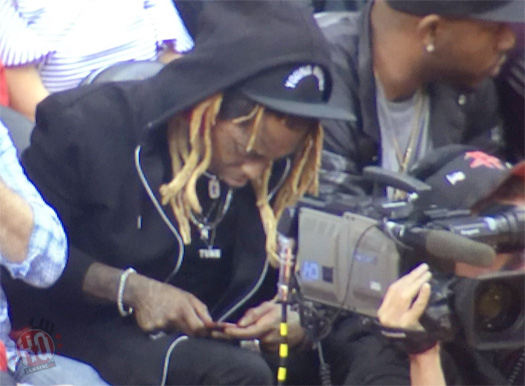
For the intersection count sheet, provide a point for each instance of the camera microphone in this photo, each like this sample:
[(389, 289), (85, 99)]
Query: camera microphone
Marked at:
[(444, 244), (447, 245)]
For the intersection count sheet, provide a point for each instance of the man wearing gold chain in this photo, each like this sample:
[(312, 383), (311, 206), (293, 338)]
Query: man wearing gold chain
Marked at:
[(416, 74)]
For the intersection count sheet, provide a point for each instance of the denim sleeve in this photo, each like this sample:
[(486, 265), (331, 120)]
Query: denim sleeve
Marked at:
[(46, 256)]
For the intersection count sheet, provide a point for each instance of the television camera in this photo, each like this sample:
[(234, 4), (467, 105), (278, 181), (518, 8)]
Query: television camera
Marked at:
[(349, 251)]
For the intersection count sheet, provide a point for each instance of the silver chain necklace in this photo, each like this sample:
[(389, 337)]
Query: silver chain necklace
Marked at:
[(214, 186), (207, 228)]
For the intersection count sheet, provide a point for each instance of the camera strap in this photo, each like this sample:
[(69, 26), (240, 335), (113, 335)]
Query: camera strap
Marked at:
[(410, 341)]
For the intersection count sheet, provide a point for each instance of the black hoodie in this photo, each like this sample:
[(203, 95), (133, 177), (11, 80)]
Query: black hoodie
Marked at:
[(99, 155)]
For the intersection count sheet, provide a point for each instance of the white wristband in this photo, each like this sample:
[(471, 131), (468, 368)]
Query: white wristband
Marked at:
[(122, 283)]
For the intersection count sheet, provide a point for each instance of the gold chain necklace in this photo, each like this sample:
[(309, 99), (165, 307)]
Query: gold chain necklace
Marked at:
[(404, 159), (415, 132)]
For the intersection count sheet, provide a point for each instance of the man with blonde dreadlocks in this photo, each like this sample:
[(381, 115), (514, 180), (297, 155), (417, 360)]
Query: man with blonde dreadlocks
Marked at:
[(170, 190)]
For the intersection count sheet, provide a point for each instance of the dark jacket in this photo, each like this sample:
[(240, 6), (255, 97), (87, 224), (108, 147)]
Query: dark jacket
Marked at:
[(99, 154), (350, 146)]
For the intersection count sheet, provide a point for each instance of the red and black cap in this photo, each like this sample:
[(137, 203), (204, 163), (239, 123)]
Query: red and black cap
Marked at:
[(462, 177), (504, 11)]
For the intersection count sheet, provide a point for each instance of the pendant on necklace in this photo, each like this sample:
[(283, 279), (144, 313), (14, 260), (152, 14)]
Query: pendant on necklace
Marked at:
[(205, 233), (210, 253), (214, 188)]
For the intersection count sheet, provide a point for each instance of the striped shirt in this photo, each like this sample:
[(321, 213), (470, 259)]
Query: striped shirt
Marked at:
[(68, 39), (47, 249)]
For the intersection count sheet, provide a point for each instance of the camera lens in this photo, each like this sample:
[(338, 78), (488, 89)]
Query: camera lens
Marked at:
[(496, 306)]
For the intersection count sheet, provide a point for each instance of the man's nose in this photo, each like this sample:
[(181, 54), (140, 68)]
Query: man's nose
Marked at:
[(254, 169), (507, 38)]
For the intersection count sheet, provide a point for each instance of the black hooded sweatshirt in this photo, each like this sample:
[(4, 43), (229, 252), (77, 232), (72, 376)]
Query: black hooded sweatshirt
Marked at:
[(99, 154)]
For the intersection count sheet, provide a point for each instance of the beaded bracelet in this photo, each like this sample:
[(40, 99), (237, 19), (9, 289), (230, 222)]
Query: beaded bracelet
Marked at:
[(122, 283)]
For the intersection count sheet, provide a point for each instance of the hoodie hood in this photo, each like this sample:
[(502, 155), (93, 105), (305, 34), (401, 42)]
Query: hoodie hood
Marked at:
[(236, 41)]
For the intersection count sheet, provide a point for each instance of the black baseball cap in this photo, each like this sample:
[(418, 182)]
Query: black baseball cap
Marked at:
[(461, 177), (505, 11), (298, 89)]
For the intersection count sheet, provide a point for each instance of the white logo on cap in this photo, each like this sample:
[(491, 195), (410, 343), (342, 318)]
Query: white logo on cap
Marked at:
[(304, 71), (455, 177)]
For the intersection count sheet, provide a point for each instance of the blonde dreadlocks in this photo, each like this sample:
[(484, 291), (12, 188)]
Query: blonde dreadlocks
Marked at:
[(190, 158)]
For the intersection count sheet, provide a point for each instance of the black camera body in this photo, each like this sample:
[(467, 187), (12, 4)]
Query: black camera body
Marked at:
[(347, 260)]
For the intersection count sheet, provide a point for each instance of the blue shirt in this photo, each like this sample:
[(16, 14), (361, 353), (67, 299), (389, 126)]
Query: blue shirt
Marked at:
[(46, 255)]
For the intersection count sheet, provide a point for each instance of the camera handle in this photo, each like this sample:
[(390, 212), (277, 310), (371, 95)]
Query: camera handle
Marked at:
[(384, 177)]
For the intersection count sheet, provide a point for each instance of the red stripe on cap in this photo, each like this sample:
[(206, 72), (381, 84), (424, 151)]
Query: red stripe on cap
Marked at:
[(519, 169)]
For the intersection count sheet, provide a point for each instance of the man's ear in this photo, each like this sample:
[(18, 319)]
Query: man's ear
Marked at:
[(427, 28)]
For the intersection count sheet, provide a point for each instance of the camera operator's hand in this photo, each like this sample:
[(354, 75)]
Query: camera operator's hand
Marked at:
[(398, 309), (162, 307), (263, 323)]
